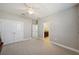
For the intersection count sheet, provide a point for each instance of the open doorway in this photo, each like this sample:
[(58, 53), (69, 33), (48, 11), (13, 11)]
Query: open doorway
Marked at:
[(46, 34), (45, 30)]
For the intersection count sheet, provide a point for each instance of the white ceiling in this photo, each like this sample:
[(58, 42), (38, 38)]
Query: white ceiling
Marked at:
[(40, 9)]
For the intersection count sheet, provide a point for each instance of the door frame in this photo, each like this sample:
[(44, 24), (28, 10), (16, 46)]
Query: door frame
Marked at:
[(48, 30)]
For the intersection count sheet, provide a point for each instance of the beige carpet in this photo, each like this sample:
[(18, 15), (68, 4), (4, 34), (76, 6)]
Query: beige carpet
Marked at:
[(35, 47)]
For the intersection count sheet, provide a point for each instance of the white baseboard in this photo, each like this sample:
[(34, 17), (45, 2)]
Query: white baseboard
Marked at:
[(17, 41), (66, 47), (40, 38), (20, 41)]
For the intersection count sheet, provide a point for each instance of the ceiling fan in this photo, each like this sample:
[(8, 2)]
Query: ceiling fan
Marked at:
[(30, 11)]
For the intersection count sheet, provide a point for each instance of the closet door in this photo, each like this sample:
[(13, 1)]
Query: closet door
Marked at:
[(12, 31), (7, 32), (19, 31), (35, 31)]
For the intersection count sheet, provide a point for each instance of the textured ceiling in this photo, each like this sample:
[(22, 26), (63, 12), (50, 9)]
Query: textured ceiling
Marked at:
[(40, 9)]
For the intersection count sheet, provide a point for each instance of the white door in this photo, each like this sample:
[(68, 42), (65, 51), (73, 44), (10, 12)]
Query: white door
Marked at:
[(7, 30), (35, 31), (12, 31), (19, 31)]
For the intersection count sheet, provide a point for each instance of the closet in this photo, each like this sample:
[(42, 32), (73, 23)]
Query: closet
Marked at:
[(11, 31)]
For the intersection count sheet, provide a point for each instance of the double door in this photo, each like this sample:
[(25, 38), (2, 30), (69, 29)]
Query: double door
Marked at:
[(11, 31)]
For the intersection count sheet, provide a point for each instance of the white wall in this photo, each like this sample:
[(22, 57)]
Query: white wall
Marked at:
[(64, 27), (40, 29), (12, 23), (78, 26)]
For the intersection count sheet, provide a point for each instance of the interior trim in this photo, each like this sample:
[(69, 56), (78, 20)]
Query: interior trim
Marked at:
[(66, 47), (5, 44)]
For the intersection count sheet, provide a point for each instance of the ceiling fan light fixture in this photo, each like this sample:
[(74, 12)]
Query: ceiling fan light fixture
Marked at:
[(30, 11)]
